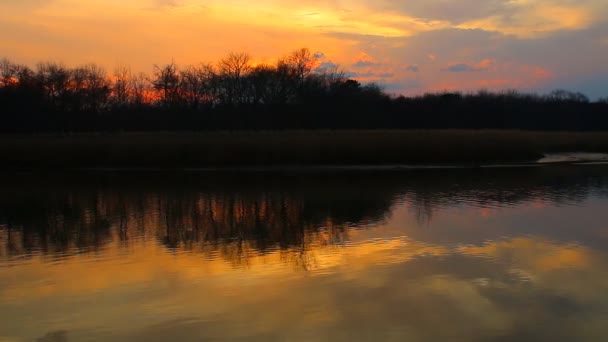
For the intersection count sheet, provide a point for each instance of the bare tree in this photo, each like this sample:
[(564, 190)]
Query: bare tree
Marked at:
[(7, 72), (235, 65), (141, 85), (54, 79), (564, 95), (167, 82), (262, 81), (276, 85), (303, 62), (233, 69), (90, 87), (334, 75), (123, 87), (211, 82), (24, 75), (196, 85)]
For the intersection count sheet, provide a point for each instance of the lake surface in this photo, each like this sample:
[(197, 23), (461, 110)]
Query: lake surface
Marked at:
[(485, 254)]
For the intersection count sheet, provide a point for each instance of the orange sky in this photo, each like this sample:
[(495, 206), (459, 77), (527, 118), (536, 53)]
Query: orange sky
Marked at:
[(407, 46)]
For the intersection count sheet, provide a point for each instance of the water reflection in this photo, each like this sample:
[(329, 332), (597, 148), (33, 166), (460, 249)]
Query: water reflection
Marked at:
[(233, 213), (204, 213), (482, 254)]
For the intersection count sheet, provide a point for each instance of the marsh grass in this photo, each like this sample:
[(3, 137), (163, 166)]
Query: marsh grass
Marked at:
[(290, 148)]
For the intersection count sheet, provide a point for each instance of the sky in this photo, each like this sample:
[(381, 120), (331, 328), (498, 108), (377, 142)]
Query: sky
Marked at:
[(407, 46)]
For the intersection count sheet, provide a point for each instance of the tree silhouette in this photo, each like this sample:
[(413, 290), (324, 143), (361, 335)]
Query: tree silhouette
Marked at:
[(7, 72), (167, 82), (195, 85), (90, 88), (293, 93), (302, 61), (233, 69), (54, 80), (122, 91), (140, 85)]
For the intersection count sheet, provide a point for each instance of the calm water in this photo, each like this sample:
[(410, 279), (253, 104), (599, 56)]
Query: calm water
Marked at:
[(456, 255)]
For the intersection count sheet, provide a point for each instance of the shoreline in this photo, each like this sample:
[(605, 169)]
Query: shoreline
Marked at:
[(311, 168)]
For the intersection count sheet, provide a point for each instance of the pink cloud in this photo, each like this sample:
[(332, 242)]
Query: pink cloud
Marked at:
[(364, 60), (538, 72)]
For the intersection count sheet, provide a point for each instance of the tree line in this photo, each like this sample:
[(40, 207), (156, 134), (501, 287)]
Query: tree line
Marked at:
[(236, 94)]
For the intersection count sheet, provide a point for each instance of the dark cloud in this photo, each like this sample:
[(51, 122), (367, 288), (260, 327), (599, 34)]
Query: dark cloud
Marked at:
[(364, 64), (568, 59), (455, 11), (564, 49), (413, 68), (461, 67), (319, 55), (354, 74), (475, 43), (362, 37), (369, 74), (326, 67)]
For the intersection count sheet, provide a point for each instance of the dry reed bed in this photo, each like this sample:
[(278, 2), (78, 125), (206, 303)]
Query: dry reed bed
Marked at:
[(291, 148)]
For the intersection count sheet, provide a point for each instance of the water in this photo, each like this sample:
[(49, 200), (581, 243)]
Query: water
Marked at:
[(420, 255)]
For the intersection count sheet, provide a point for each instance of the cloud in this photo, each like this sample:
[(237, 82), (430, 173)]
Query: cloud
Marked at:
[(451, 10), (319, 55), (523, 18), (464, 67), (370, 74), (187, 6), (461, 67), (363, 64), (536, 43), (326, 67), (168, 3), (503, 61), (364, 60), (413, 68), (354, 74)]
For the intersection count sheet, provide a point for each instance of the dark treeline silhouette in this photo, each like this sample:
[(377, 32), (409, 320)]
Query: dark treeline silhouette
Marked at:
[(294, 93), (224, 213)]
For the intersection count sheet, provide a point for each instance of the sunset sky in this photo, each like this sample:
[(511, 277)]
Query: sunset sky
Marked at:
[(408, 46)]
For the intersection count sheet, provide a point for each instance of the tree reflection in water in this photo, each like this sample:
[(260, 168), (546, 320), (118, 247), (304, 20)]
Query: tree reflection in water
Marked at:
[(238, 215)]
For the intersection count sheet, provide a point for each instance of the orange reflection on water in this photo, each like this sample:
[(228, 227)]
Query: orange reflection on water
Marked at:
[(288, 259), (535, 255)]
